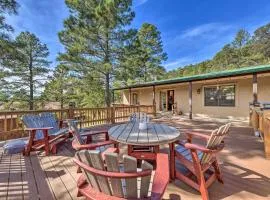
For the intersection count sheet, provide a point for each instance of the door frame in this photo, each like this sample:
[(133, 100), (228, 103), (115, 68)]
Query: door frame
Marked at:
[(168, 94)]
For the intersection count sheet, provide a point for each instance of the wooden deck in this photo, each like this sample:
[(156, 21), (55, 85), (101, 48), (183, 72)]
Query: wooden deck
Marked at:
[(246, 171)]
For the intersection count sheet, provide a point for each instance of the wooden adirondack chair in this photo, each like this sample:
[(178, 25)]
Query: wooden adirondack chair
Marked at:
[(81, 141), (199, 163), (44, 132), (139, 150), (110, 181)]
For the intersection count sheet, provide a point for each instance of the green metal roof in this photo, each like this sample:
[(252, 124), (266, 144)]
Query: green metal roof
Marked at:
[(212, 75)]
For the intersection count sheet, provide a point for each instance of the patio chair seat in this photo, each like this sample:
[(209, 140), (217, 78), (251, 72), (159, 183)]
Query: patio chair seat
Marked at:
[(60, 131), (186, 152)]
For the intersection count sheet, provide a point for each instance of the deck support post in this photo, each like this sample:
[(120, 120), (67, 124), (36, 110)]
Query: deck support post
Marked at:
[(190, 99), (129, 96), (154, 100), (255, 88)]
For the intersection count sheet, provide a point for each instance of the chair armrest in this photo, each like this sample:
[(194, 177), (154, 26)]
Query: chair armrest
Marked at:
[(197, 135), (161, 178), (203, 149), (36, 129), (90, 133), (91, 146)]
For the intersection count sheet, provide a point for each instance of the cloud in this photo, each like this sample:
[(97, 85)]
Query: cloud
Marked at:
[(197, 43), (178, 63), (205, 29), (139, 2)]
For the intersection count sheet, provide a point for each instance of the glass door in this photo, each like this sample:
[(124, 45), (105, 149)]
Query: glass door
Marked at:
[(163, 101), (170, 100)]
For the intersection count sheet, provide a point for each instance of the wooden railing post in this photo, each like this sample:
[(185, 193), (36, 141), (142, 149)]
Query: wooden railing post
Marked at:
[(71, 110), (112, 114), (267, 138)]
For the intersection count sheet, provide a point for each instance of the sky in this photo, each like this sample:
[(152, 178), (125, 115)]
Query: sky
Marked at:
[(191, 30)]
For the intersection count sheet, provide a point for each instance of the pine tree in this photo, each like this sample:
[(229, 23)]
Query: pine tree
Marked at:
[(94, 35), (29, 69), (144, 56), (58, 88)]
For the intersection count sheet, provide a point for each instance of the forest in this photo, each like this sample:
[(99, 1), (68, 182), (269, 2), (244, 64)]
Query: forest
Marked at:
[(102, 51)]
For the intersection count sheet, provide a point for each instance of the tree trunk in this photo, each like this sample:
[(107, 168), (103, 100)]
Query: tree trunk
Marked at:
[(31, 86), (107, 90), (145, 74)]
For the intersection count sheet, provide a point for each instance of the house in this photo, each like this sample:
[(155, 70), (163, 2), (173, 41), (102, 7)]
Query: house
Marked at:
[(217, 94)]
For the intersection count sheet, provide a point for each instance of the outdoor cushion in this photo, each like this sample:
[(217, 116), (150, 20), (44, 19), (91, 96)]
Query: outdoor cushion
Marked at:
[(186, 152), (14, 146)]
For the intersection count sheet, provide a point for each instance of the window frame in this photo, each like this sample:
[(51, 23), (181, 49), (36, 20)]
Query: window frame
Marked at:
[(218, 86), (137, 98)]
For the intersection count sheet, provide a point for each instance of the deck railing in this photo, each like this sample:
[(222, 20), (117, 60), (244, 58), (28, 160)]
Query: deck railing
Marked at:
[(11, 125)]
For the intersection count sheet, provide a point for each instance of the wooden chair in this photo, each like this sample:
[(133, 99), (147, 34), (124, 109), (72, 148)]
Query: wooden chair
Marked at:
[(44, 132), (111, 181), (142, 152), (199, 165), (84, 141)]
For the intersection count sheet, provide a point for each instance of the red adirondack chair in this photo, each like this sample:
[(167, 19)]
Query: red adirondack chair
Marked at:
[(44, 132), (114, 183), (199, 163), (85, 140)]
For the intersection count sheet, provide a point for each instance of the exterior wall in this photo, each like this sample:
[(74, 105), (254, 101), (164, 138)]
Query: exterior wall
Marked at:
[(125, 95), (243, 95), (264, 89)]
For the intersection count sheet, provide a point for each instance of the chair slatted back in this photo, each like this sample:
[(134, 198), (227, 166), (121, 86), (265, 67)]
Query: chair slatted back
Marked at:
[(139, 117), (123, 188), (33, 121), (49, 120), (76, 133), (215, 140)]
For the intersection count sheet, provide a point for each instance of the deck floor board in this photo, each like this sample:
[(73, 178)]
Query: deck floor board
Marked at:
[(245, 170)]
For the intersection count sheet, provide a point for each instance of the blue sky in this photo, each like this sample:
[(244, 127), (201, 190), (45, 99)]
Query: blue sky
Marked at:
[(191, 30)]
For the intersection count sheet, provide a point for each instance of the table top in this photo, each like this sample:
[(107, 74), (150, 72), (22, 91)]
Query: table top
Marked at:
[(155, 134)]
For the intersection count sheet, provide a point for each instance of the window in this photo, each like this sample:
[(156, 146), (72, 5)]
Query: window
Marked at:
[(135, 99), (222, 95)]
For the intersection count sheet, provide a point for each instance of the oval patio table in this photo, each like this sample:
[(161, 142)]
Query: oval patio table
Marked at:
[(155, 135)]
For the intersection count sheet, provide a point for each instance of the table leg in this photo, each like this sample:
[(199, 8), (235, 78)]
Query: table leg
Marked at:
[(172, 161), (129, 149), (156, 149)]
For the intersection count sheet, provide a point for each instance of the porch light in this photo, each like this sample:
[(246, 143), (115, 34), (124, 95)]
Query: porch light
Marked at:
[(199, 91)]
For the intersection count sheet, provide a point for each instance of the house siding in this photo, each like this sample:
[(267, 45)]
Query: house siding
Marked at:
[(243, 95)]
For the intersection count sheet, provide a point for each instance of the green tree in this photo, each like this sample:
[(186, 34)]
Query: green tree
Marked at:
[(241, 39), (94, 36), (29, 69), (59, 87), (7, 7), (145, 56), (261, 40)]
